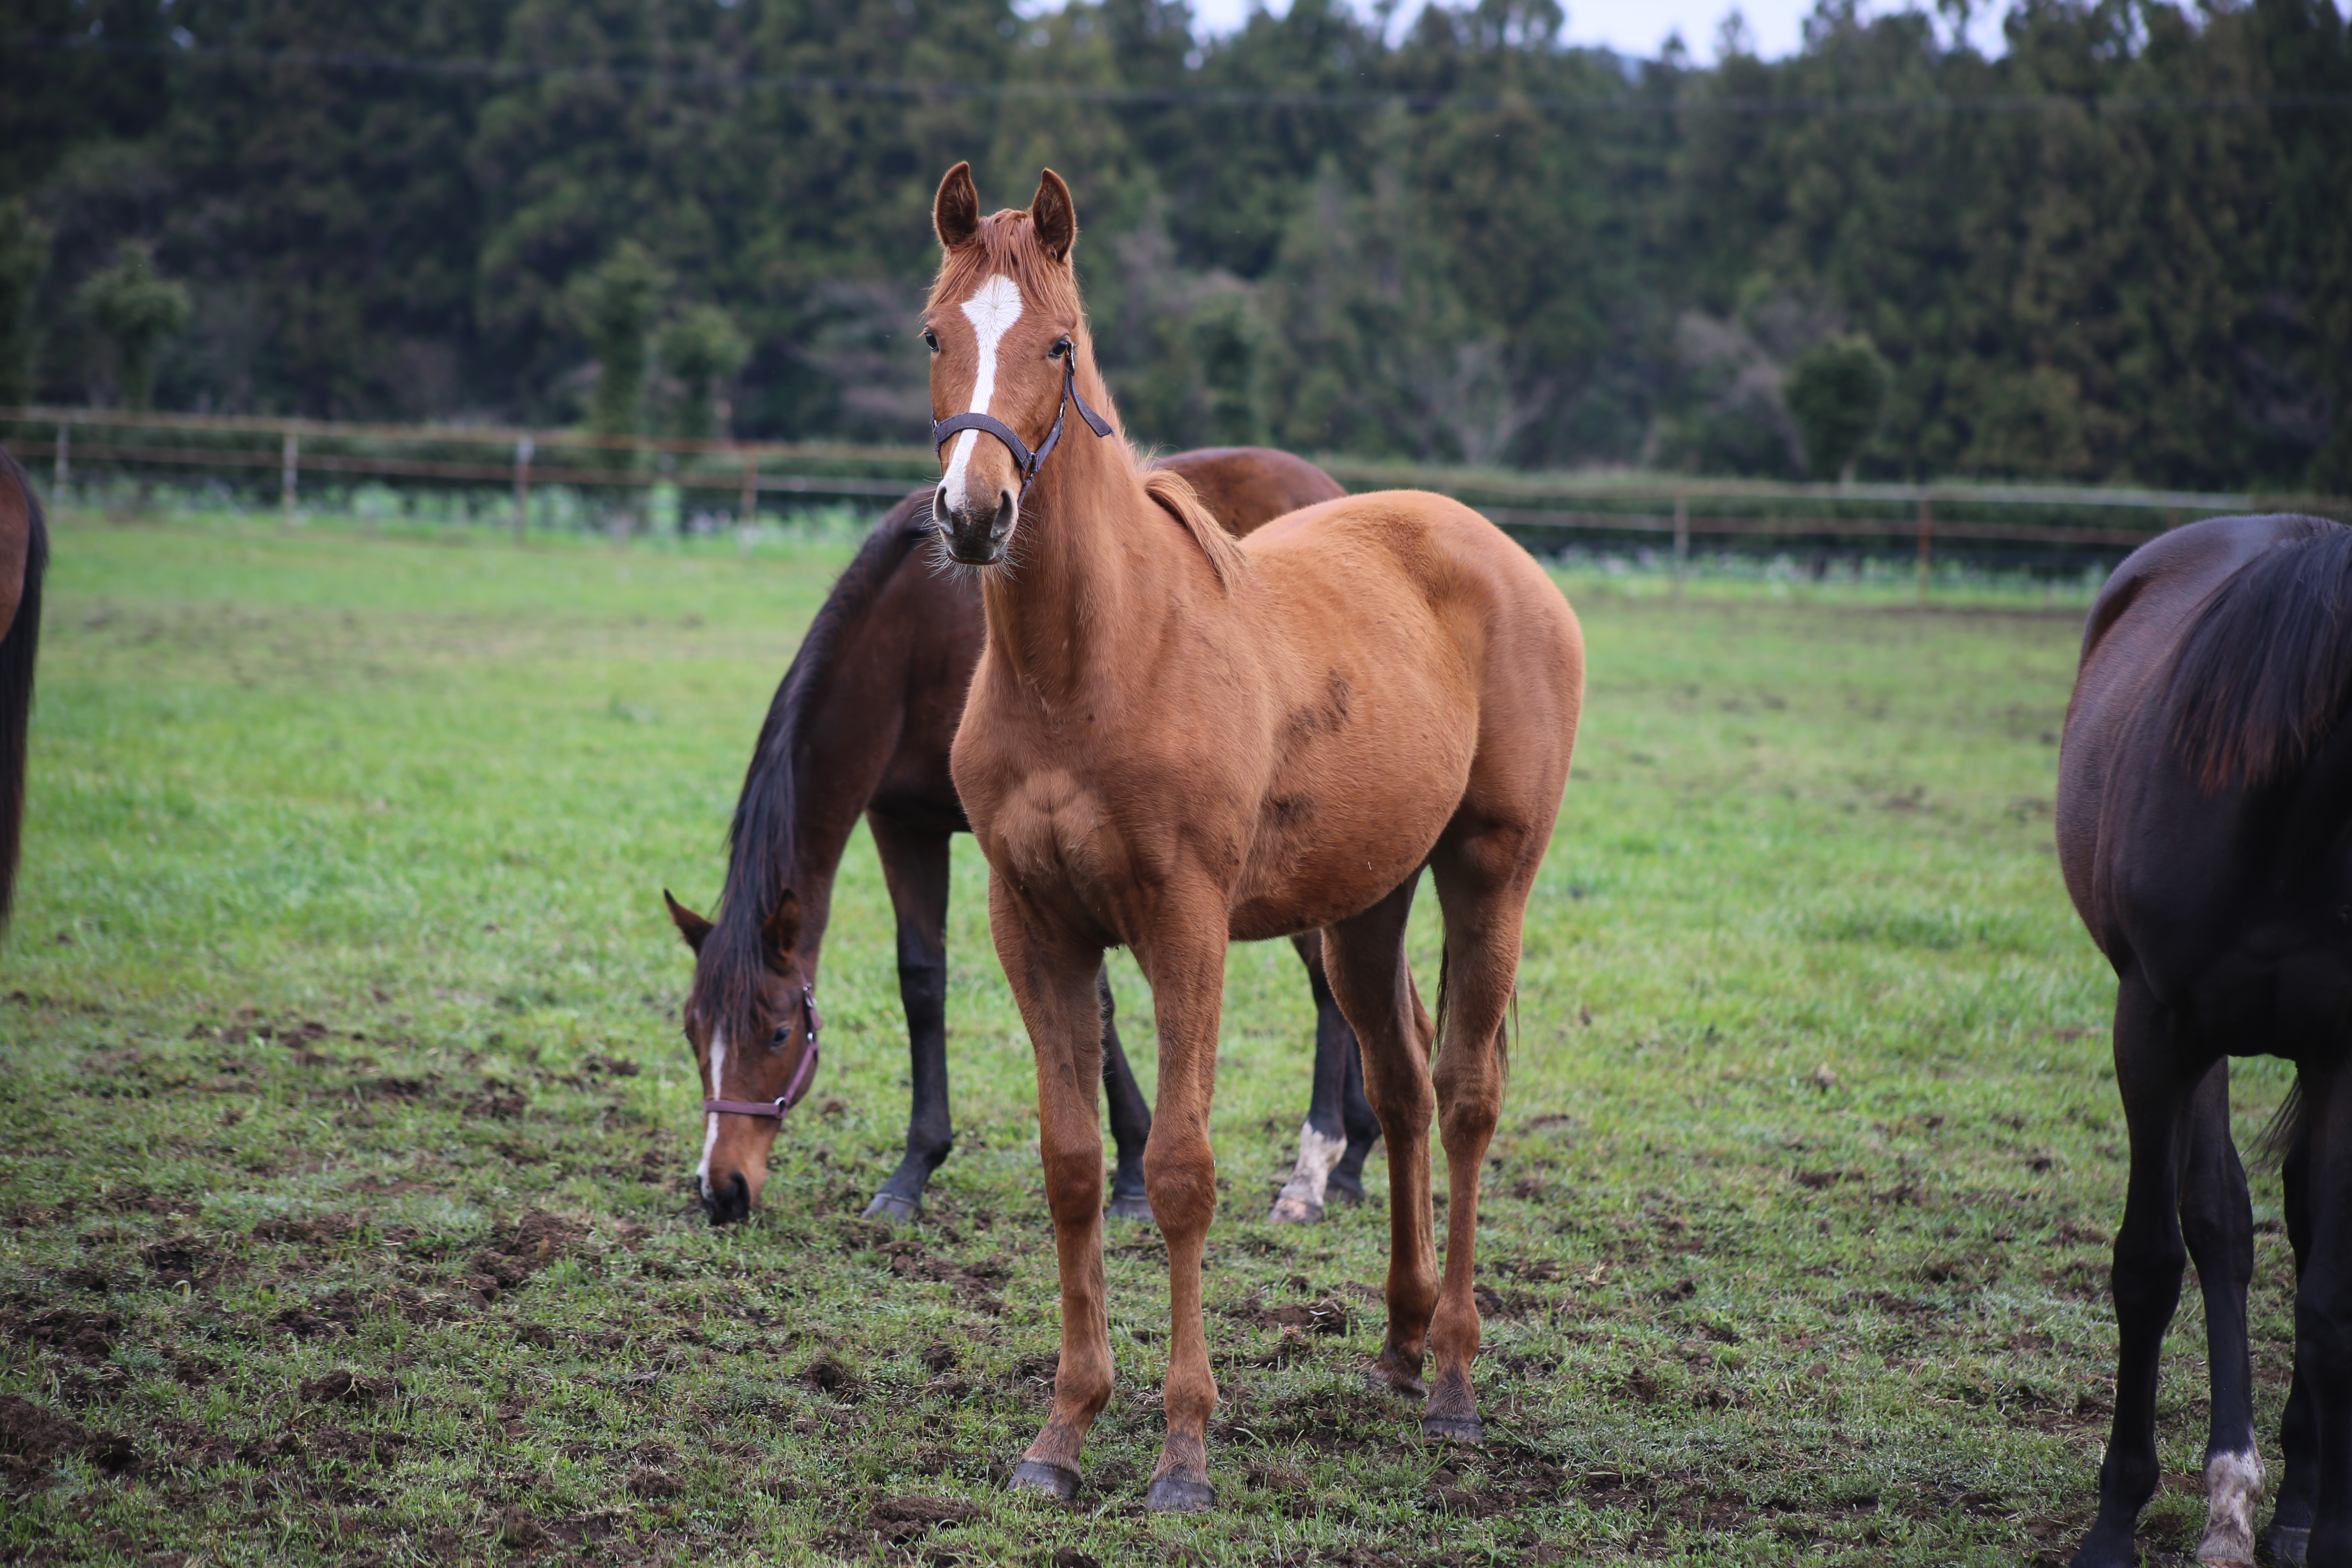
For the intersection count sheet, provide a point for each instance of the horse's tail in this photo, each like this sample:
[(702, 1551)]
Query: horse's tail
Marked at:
[(18, 650), (2285, 1128), (2265, 673)]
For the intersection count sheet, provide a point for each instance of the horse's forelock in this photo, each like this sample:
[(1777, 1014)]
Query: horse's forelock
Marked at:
[(1007, 245)]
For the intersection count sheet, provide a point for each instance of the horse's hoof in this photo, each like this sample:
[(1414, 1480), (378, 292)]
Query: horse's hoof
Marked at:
[(1177, 1493), (1454, 1428), (1044, 1479), (891, 1206), (2291, 1543), (1288, 1210), (1389, 1374), (1130, 1205), (1343, 1189)]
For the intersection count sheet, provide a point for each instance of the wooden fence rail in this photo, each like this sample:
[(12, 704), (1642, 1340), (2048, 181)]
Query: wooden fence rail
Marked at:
[(1551, 506)]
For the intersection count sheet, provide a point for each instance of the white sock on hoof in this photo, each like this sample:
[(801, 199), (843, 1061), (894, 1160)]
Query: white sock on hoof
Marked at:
[(1318, 1156), (2233, 1495)]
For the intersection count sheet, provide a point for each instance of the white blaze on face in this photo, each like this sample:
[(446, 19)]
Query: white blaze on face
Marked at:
[(992, 312), (710, 1118)]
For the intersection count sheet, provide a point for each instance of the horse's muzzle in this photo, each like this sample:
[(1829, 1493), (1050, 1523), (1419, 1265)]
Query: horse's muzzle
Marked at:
[(974, 534), (728, 1200)]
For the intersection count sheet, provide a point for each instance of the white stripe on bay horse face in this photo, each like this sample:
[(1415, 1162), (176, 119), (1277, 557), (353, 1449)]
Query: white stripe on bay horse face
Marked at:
[(710, 1118), (992, 312)]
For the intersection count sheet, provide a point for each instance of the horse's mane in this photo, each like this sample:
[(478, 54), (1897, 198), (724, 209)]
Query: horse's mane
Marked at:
[(761, 841), (1173, 491), (2264, 676)]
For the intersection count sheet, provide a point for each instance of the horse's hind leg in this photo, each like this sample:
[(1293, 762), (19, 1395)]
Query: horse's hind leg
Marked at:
[(1483, 877), (2298, 1493), (1333, 1141), (1365, 958), (915, 865), (2148, 1260), (1130, 1118), (2323, 1314), (2218, 1223)]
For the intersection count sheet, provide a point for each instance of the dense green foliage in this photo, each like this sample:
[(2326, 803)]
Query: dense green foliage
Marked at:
[(345, 1124), (2120, 250)]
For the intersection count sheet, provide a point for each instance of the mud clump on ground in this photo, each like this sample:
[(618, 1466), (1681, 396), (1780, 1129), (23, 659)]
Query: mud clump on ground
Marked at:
[(536, 1240)]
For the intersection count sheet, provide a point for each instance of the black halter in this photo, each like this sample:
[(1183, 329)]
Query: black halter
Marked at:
[(1030, 461)]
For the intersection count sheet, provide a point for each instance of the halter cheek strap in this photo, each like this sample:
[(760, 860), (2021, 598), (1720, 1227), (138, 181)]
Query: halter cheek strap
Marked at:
[(794, 1092), (1030, 461)]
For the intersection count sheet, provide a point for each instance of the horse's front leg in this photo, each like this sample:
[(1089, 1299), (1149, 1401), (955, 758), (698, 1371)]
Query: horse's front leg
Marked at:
[(2218, 1223), (2155, 1085), (1131, 1115), (1053, 978), (1185, 961), (915, 865), (2323, 1311)]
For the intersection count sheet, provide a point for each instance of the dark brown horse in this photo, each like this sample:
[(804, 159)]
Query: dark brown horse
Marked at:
[(2205, 828), (1175, 739), (24, 556), (861, 725)]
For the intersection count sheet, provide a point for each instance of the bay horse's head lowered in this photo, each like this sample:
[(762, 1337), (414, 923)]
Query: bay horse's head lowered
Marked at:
[(1008, 342), (752, 1022)]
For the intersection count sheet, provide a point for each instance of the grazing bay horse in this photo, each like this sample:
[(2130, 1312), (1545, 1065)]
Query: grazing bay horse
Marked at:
[(861, 724), (24, 557), (2205, 830), (1175, 739)]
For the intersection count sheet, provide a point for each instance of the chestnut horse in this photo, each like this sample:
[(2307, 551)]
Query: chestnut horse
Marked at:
[(1175, 739), (24, 556), (2204, 811), (861, 724)]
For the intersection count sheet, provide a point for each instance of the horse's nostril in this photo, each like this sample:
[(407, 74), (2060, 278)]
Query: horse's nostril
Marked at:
[(1004, 508), (939, 507), (729, 1201)]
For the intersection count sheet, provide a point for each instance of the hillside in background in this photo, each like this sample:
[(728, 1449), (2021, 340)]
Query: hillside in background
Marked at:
[(2120, 252)]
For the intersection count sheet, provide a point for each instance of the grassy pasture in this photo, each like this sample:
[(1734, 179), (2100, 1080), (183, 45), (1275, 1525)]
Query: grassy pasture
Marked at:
[(345, 1126)]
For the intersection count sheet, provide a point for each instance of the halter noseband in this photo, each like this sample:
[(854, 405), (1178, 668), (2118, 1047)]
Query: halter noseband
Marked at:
[(803, 1076), (1030, 461)]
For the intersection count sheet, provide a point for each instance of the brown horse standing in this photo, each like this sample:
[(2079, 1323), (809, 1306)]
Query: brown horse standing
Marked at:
[(24, 556), (860, 725), (1173, 741)]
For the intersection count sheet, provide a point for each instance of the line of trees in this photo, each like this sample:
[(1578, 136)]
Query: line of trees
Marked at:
[(2120, 251)]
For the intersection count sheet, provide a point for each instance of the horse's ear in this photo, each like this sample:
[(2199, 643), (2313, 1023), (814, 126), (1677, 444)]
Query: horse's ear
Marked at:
[(691, 926), (955, 212), (783, 927), (1054, 215)]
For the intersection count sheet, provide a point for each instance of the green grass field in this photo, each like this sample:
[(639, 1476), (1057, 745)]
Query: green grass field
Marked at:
[(345, 1129)]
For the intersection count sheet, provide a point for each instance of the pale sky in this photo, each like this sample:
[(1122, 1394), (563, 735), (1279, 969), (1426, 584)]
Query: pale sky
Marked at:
[(1636, 27)]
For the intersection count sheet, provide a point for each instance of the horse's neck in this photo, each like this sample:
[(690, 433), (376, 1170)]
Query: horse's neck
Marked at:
[(1091, 575)]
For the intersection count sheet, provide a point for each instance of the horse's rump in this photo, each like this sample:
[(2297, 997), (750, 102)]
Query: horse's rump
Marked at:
[(2261, 679)]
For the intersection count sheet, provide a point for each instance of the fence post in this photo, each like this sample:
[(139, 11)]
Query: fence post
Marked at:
[(63, 466), (289, 481), (523, 450), (1927, 532), (1682, 541)]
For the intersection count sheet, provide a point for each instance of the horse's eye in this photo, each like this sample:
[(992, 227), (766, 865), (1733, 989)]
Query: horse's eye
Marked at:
[(931, 338), (780, 1039), (1058, 350)]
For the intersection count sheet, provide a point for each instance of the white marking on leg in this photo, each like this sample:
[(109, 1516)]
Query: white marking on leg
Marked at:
[(710, 1118), (1301, 1197), (2233, 1496), (992, 312)]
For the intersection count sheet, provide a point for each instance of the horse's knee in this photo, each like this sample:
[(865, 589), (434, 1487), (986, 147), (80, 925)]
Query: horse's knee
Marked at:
[(2323, 1342), (1181, 1181), (1072, 1183)]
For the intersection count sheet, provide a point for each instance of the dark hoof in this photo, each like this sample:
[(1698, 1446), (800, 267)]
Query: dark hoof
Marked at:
[(1454, 1428), (2290, 1543), (1044, 1479), (1295, 1211), (891, 1206), (1343, 1189), (1177, 1494), (1130, 1205)]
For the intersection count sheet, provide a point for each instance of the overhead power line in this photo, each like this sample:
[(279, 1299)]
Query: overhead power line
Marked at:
[(184, 46)]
